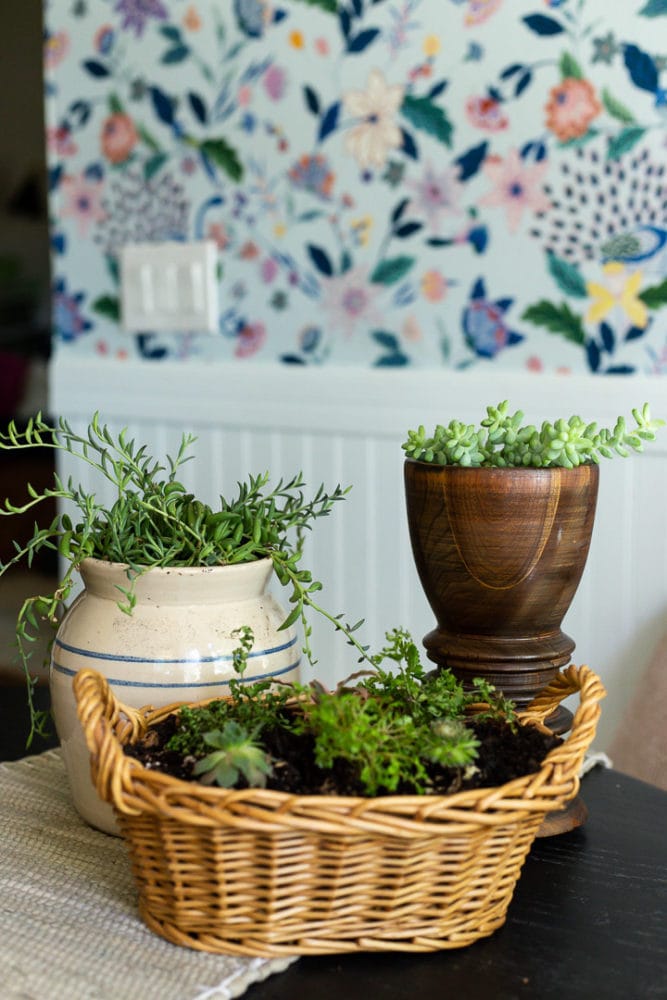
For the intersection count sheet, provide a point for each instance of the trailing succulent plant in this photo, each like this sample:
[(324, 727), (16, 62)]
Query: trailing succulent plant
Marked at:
[(389, 725), (502, 440), (155, 521)]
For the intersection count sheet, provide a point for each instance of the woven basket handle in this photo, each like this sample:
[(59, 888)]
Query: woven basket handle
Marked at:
[(101, 717), (568, 757)]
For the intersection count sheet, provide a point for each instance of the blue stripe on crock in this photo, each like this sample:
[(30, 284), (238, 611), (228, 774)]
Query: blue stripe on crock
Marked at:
[(117, 658), (59, 668)]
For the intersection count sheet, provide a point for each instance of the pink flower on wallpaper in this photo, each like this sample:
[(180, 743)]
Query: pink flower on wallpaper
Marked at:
[(269, 270), (486, 113), (479, 11), (274, 82), (82, 201), (250, 339), (218, 231), (437, 193), (516, 187), (59, 141), (349, 300), (571, 108), (135, 13), (312, 173), (118, 137), (56, 47)]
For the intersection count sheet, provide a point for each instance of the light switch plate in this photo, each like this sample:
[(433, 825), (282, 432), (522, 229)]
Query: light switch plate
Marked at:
[(169, 287)]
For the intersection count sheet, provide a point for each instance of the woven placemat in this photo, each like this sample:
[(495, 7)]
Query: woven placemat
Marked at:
[(69, 926)]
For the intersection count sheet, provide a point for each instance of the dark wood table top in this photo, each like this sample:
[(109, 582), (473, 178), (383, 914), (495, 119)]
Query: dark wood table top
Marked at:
[(588, 922)]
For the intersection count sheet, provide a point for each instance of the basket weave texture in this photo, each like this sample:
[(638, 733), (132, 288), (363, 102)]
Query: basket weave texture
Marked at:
[(258, 872)]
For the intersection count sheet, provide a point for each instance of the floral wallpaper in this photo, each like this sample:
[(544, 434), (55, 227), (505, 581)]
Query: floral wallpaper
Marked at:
[(389, 182)]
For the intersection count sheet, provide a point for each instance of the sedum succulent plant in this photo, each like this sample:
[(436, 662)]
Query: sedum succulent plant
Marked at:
[(502, 440)]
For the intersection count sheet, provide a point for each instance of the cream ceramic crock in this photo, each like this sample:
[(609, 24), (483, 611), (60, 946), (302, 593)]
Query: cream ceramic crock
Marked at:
[(176, 645)]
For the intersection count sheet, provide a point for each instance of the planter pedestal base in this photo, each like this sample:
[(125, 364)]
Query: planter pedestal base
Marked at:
[(573, 815)]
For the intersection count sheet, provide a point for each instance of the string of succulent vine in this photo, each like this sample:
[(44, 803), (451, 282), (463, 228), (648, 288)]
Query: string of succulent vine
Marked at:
[(154, 521), (501, 439)]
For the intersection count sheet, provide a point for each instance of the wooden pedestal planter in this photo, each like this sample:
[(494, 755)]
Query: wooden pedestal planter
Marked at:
[(500, 553), (259, 872)]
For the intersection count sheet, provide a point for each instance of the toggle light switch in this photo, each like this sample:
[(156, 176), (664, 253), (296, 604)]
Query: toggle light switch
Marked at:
[(169, 287)]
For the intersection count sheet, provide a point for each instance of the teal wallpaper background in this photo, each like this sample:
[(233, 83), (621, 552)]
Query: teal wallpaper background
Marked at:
[(442, 183)]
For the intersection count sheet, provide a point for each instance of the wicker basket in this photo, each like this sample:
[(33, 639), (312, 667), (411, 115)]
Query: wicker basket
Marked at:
[(259, 872)]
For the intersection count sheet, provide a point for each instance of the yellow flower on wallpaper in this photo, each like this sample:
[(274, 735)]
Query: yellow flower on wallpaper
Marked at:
[(621, 290)]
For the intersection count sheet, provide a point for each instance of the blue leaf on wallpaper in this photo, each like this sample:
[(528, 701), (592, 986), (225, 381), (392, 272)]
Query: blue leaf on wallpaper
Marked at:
[(176, 55), (439, 241), (641, 67), (400, 209), (309, 285), (394, 360), (163, 105), (511, 70), (320, 259), (479, 237), (536, 149), (154, 164), (593, 355), (279, 15), (94, 172), (206, 164), (470, 162), (200, 217), (635, 332), (198, 107), (146, 350), (171, 32), (79, 111), (437, 89), (96, 68), (654, 8), (292, 359), (55, 174), (607, 337), (504, 304), (404, 295), (495, 95), (361, 41), (408, 229), (58, 243), (310, 339), (113, 267), (385, 339), (543, 25), (478, 289), (624, 141), (408, 145), (430, 117), (329, 122), (620, 370), (522, 83), (345, 261), (388, 272), (567, 276), (311, 99), (357, 7), (345, 21)]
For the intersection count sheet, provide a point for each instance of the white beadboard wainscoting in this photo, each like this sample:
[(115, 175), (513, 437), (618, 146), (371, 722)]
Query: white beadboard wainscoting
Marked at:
[(346, 425)]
